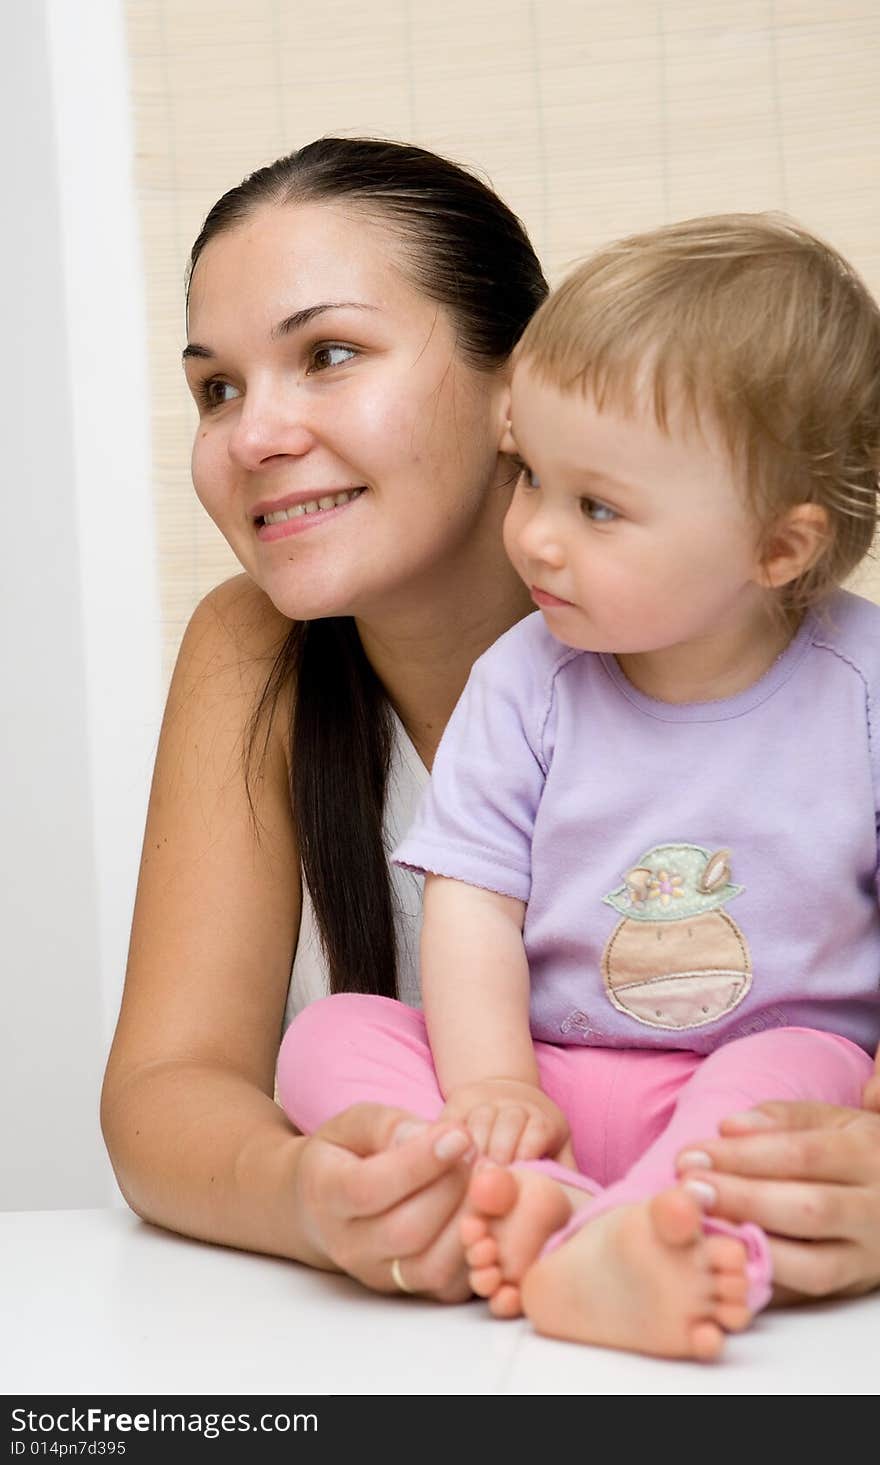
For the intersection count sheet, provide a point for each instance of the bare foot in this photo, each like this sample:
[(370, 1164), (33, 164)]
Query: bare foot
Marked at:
[(508, 1217), (645, 1277)]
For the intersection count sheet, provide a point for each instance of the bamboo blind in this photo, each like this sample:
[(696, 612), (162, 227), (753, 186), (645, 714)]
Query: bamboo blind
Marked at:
[(590, 117)]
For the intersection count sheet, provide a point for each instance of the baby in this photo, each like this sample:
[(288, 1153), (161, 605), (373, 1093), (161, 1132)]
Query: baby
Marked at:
[(651, 832)]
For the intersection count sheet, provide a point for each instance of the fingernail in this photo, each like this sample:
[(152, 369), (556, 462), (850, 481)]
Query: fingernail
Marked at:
[(408, 1129), (452, 1145), (705, 1195), (695, 1160), (753, 1119)]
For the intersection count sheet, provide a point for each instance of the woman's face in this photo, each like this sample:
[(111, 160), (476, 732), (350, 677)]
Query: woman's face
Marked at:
[(344, 449)]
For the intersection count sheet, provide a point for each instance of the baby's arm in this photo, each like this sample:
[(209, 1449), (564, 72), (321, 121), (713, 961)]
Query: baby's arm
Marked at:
[(475, 984)]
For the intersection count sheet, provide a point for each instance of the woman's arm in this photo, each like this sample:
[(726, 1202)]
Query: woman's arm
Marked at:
[(197, 1143), (475, 987)]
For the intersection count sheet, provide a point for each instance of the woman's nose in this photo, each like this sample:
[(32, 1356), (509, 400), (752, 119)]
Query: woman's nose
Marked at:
[(270, 426)]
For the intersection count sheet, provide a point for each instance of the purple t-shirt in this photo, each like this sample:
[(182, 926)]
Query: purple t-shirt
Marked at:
[(692, 873)]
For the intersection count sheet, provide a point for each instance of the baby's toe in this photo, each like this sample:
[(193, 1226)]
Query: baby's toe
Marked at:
[(707, 1340), (472, 1229), (733, 1316), (483, 1253), (506, 1302), (485, 1280)]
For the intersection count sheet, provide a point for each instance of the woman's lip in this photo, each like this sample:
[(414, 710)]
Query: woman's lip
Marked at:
[(302, 522), (543, 597)]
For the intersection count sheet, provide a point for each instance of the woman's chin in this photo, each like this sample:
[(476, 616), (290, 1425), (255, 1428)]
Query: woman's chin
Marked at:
[(299, 606)]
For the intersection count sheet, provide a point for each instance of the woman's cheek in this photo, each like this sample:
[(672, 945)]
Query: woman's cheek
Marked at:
[(207, 473), (201, 479), (374, 421)]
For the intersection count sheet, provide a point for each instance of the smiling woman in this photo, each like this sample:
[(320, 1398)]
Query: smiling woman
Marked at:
[(302, 399), (352, 309)]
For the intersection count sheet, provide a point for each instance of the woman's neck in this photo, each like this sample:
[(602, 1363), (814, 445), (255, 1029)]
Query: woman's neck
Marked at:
[(423, 654)]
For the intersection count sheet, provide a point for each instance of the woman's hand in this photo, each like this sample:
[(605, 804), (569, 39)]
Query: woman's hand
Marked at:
[(509, 1119), (375, 1186), (809, 1175)]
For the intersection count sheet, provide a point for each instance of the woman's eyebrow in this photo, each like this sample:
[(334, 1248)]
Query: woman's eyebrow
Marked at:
[(286, 326), (302, 317)]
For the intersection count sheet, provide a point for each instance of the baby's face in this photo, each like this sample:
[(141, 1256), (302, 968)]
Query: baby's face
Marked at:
[(630, 537)]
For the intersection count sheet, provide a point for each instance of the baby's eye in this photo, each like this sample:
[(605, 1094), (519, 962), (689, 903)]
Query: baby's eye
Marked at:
[(598, 512), (531, 478), (328, 355), (215, 392)]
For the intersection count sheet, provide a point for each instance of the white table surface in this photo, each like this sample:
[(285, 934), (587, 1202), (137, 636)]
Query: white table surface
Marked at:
[(97, 1302)]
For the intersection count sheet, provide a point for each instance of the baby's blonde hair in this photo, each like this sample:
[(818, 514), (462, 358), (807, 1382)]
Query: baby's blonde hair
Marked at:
[(749, 318)]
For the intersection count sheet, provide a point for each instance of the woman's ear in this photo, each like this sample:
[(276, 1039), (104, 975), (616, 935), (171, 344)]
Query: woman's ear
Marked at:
[(507, 443), (794, 544)]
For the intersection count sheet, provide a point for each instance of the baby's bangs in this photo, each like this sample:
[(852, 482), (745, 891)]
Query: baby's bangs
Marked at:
[(633, 370)]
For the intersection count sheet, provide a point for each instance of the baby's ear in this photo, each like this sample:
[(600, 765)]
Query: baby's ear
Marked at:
[(794, 544)]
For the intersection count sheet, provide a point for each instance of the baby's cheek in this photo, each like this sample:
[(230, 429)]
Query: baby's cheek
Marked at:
[(513, 521)]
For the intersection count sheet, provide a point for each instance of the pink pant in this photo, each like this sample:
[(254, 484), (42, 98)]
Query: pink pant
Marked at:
[(631, 1111)]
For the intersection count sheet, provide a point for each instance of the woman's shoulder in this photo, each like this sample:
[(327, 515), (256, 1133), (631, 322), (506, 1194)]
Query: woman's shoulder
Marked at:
[(231, 646), (235, 623)]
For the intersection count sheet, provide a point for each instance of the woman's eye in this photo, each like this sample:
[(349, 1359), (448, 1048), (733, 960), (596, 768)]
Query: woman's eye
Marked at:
[(598, 512), (326, 356), (215, 392)]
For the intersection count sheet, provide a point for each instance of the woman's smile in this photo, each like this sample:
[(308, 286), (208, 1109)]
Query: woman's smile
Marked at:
[(298, 512)]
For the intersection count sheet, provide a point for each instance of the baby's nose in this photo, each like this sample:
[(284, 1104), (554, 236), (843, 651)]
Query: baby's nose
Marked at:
[(541, 540)]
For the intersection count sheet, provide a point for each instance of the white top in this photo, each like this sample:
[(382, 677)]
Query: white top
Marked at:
[(309, 978)]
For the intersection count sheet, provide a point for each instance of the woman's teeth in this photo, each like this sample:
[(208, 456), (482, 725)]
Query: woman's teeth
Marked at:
[(329, 501)]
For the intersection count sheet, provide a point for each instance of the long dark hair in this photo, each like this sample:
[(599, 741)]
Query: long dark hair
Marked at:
[(469, 253)]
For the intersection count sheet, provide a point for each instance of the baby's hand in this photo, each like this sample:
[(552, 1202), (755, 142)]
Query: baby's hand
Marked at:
[(508, 1119)]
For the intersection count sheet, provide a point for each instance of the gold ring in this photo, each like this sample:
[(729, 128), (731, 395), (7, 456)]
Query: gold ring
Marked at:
[(397, 1277)]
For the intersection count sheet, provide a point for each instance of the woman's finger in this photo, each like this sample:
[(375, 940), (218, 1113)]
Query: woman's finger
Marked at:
[(440, 1270), (374, 1185), (846, 1154), (790, 1115), (811, 1269), (367, 1129), (411, 1230), (789, 1208)]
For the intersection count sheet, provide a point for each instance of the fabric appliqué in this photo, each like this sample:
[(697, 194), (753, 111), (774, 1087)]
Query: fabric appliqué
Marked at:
[(676, 960), (576, 1022)]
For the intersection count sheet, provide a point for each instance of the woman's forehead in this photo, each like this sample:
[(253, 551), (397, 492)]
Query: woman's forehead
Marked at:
[(306, 253)]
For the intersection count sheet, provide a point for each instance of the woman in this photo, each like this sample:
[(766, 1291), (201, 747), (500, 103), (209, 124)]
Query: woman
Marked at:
[(351, 312)]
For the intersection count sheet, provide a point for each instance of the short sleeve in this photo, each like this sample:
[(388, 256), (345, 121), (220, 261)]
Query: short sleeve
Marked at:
[(850, 628), (477, 815)]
